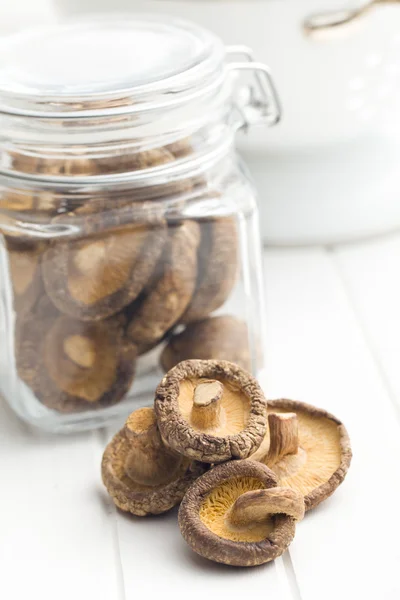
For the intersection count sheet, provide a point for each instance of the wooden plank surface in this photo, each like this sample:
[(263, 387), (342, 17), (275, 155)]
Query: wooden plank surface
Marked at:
[(61, 536), (56, 535), (371, 275), (317, 353)]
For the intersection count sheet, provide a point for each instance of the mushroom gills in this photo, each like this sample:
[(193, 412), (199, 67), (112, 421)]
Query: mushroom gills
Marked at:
[(235, 514), (71, 365), (211, 411), (242, 510), (216, 509), (94, 277), (79, 359), (100, 267), (304, 452), (213, 406)]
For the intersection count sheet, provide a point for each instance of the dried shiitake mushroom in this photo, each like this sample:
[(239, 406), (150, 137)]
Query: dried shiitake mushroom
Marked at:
[(75, 163), (93, 277), (170, 291), (211, 411), (141, 475), (235, 514), (73, 366), (24, 214), (217, 267), (307, 448), (221, 338), (180, 148), (126, 161), (32, 202), (25, 274)]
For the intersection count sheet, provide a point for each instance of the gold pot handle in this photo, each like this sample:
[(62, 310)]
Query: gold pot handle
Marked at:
[(336, 18)]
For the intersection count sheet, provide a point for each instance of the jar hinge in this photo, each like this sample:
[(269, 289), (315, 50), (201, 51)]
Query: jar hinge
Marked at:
[(256, 103)]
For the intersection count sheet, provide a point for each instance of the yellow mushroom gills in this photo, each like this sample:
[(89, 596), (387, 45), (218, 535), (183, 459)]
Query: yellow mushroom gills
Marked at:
[(307, 448), (235, 514)]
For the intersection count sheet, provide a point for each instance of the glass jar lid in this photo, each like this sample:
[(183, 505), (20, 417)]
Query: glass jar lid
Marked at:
[(107, 65), (87, 101)]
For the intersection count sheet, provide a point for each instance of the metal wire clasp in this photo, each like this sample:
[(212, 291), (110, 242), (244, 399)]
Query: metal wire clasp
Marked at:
[(257, 103)]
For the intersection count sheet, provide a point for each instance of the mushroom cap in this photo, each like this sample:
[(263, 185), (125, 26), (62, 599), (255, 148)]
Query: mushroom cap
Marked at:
[(206, 505), (73, 366), (136, 498), (128, 161), (74, 163), (97, 275), (181, 148), (25, 273), (221, 338), (217, 267), (31, 203), (158, 310), (324, 455), (243, 411)]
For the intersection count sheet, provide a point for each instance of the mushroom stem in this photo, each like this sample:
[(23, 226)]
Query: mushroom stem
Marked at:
[(284, 436), (206, 411), (256, 506), (148, 462)]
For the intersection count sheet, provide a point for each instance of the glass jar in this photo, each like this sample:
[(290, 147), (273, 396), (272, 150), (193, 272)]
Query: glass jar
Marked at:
[(129, 232)]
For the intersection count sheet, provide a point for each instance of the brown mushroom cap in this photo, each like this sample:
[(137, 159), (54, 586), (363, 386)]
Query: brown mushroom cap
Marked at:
[(235, 514), (211, 410), (25, 274), (141, 475), (307, 448), (217, 267), (72, 164), (74, 366), (131, 160), (170, 291), (180, 148), (220, 338), (95, 277), (32, 202)]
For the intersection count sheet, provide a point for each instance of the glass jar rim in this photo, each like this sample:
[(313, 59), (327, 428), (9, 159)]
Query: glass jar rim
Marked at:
[(177, 170), (179, 61)]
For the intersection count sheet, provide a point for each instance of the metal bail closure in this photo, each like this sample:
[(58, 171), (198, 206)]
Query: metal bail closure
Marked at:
[(257, 102)]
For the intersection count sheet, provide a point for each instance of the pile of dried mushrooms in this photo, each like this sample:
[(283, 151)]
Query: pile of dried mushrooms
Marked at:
[(244, 470)]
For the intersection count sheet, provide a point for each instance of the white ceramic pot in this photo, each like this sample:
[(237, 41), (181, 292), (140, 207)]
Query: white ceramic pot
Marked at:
[(333, 86), (340, 94)]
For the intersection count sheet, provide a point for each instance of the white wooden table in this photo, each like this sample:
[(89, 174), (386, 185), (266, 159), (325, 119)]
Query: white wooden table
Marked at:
[(333, 340)]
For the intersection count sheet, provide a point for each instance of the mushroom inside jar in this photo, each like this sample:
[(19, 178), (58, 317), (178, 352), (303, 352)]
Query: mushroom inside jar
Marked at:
[(222, 337), (74, 366)]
